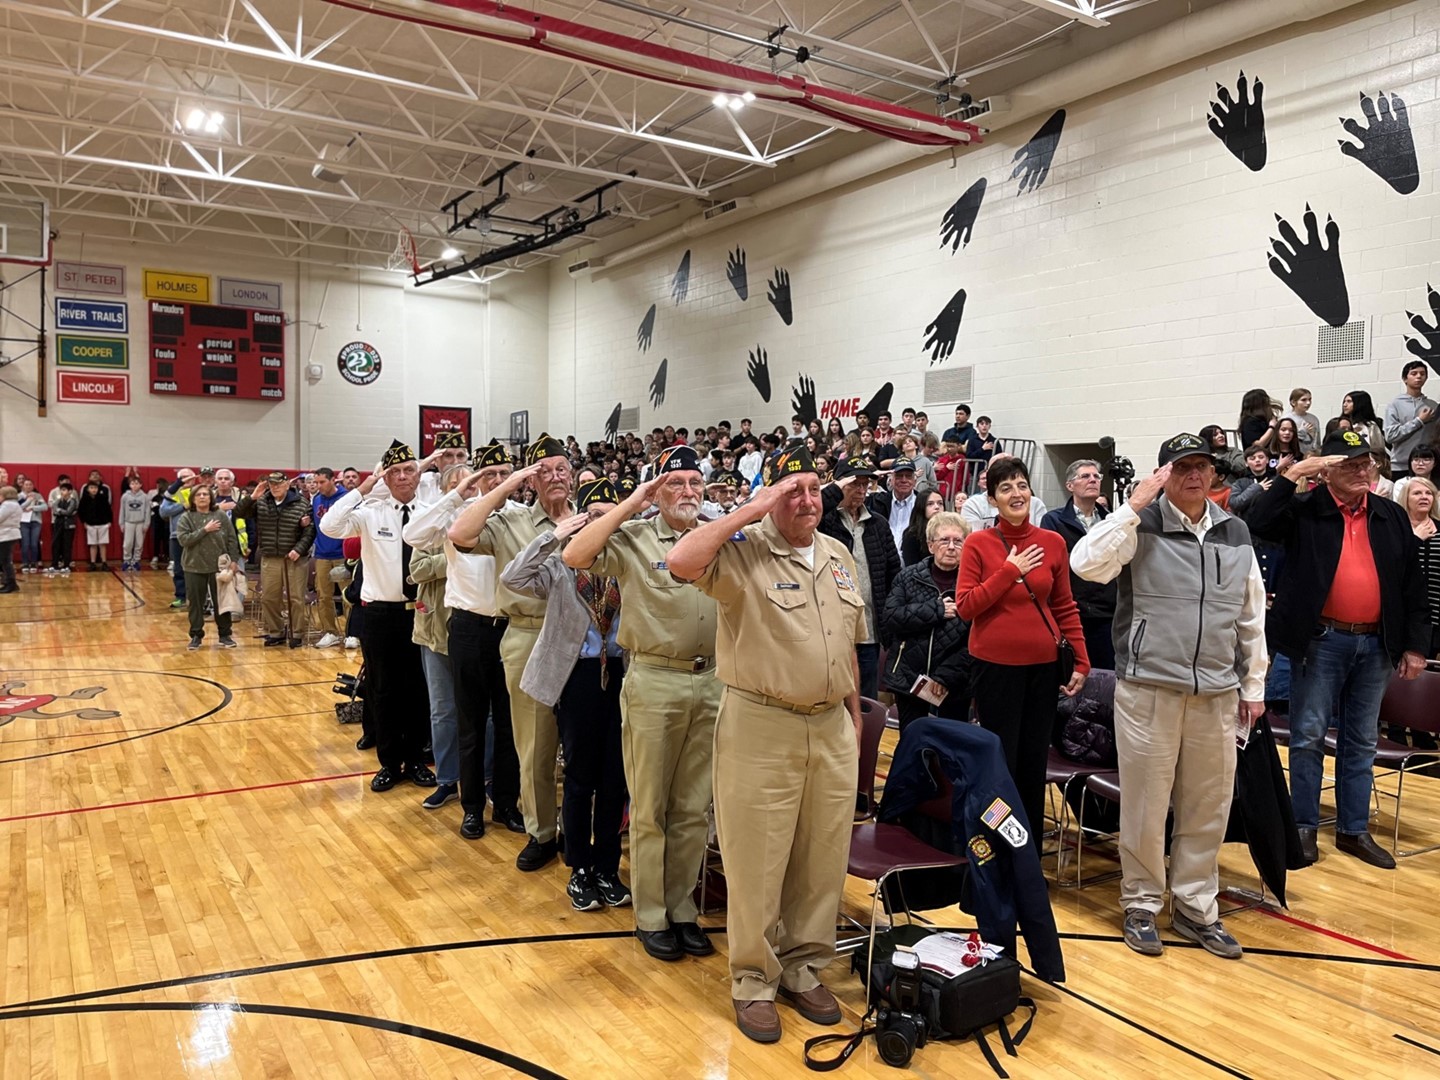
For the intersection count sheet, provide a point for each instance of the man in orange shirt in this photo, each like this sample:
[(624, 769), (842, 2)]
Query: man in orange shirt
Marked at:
[(1349, 611)]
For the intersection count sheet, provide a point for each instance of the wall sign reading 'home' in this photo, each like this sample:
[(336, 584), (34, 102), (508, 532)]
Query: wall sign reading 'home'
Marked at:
[(205, 350)]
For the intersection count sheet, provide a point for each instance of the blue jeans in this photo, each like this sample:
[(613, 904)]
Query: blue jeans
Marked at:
[(177, 572), (444, 720), (30, 543), (1277, 680), (1340, 684)]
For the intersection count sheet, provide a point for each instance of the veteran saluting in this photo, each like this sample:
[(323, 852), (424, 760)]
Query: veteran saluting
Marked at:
[(787, 737), (669, 699)]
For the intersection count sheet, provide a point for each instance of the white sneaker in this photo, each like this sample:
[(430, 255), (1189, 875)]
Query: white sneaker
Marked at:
[(352, 643), (328, 641)]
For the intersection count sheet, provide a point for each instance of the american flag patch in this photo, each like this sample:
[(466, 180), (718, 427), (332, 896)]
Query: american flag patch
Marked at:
[(995, 813)]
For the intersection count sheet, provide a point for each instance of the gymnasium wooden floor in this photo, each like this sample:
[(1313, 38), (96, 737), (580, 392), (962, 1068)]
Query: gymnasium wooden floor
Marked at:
[(199, 883)]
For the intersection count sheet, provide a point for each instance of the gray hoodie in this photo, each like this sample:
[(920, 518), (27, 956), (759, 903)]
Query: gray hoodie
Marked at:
[(135, 508)]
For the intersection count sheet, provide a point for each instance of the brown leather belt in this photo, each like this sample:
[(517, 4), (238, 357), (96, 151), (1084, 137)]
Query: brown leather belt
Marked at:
[(1351, 627), (692, 664), (526, 622), (778, 703)]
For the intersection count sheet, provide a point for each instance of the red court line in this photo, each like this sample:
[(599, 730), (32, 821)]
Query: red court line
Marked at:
[(193, 795), (1335, 934)]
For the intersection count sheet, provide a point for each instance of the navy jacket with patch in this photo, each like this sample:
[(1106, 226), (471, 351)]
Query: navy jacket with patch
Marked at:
[(1006, 883)]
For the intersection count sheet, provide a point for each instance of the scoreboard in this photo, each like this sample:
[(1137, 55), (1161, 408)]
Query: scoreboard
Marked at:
[(206, 350)]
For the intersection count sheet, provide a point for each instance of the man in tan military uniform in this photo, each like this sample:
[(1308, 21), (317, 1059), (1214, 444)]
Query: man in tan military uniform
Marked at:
[(787, 738), (669, 699), (488, 527)]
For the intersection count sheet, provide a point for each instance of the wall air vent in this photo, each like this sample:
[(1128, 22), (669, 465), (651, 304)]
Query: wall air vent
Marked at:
[(630, 419), (949, 386), (729, 206), (1343, 345)]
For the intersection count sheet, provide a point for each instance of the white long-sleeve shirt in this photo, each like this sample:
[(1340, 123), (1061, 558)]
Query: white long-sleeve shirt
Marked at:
[(470, 578), (1109, 545), (378, 523)]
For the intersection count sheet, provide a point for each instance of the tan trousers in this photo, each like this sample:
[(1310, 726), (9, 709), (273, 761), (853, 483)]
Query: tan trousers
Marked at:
[(668, 739), (278, 573), (325, 595), (536, 737), (784, 806), (1175, 749)]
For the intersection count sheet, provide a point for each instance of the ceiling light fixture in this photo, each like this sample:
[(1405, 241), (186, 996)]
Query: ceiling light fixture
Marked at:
[(195, 119), (450, 253), (214, 124), (733, 102)]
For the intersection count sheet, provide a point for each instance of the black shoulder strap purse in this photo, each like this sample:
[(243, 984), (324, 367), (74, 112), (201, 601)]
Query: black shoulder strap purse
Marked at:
[(1064, 651)]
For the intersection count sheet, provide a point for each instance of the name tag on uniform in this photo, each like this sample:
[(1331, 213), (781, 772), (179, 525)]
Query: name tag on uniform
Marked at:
[(662, 565), (842, 577), (384, 533), (787, 585)]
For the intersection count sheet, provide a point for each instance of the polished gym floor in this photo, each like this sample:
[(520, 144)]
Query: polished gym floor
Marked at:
[(199, 882)]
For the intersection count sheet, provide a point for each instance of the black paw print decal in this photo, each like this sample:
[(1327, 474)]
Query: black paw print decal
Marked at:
[(680, 283), (802, 400), (1239, 122), (657, 384), (758, 370), (612, 424), (1428, 349), (1033, 159), (959, 220), (1388, 148), (1312, 270), (779, 295), (735, 272), (940, 335), (646, 333)]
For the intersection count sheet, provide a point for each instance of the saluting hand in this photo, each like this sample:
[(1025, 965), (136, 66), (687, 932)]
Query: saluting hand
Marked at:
[(1146, 491), (644, 495), (469, 487), (571, 525), (1311, 467), (518, 477)]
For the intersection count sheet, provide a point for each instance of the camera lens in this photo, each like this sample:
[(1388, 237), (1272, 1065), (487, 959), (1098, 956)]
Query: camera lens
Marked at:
[(896, 1044)]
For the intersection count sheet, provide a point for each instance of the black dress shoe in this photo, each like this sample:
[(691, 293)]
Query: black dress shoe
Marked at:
[(271, 642), (296, 642), (1364, 848), (536, 855), (365, 742), (385, 779), (692, 939), (1308, 847), (660, 944), (421, 776), (473, 827), (510, 817)]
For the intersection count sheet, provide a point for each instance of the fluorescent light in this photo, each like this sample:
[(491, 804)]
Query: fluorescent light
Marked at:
[(736, 104), (214, 124), (194, 119), (748, 96), (450, 253), (720, 101)]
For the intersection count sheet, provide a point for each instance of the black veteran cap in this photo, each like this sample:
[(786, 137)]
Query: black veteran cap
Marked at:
[(855, 466), (721, 478), (902, 464), (1347, 444), (677, 459), (492, 453), (1182, 446), (398, 454), (276, 477), (596, 491), (627, 484), (542, 448), (450, 440), (789, 462)]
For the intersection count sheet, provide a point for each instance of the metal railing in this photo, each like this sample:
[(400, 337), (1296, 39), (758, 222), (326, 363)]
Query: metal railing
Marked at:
[(967, 476)]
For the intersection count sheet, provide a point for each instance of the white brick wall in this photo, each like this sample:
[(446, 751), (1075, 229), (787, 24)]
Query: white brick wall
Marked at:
[(1130, 295)]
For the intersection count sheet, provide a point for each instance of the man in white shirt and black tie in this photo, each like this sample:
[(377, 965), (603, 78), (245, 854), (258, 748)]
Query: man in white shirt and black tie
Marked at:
[(395, 682)]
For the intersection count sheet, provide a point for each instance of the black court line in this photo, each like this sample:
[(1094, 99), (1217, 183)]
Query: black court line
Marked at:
[(139, 603), (325, 961), (1286, 954), (1415, 1042), (479, 1049), (226, 698), (1196, 1054), (281, 685)]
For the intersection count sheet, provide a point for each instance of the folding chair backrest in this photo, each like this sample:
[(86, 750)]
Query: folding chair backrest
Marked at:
[(941, 806), (1412, 703), (872, 727)]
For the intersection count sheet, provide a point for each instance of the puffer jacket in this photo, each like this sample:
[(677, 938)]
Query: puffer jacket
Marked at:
[(277, 528), (1085, 728), (919, 638)]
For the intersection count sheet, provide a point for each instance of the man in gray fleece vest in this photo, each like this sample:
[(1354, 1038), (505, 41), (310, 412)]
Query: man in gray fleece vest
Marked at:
[(1189, 656)]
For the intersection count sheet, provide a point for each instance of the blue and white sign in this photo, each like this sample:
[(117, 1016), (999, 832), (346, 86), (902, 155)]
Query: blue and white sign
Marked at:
[(250, 294), (92, 316)]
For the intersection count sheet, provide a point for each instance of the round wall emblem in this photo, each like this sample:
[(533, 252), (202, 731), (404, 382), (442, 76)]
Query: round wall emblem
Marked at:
[(359, 363)]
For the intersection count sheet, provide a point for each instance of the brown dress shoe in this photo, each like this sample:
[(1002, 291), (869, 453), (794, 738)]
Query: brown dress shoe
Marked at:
[(817, 1005), (758, 1020)]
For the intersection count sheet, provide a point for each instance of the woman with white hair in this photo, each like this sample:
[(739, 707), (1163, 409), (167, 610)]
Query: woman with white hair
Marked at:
[(1421, 500)]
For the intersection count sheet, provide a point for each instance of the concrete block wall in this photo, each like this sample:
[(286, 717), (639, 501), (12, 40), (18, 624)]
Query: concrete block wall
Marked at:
[(1129, 295)]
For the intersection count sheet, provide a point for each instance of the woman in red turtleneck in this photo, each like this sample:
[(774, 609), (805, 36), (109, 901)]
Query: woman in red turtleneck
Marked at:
[(1015, 673)]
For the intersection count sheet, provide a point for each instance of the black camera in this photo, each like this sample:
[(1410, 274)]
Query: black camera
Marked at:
[(352, 709), (900, 1026)]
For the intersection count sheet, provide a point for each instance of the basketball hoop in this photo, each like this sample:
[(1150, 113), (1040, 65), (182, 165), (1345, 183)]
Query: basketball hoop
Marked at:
[(405, 256)]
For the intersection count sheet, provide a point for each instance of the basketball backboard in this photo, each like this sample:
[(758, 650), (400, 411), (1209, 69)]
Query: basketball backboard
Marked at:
[(24, 230)]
